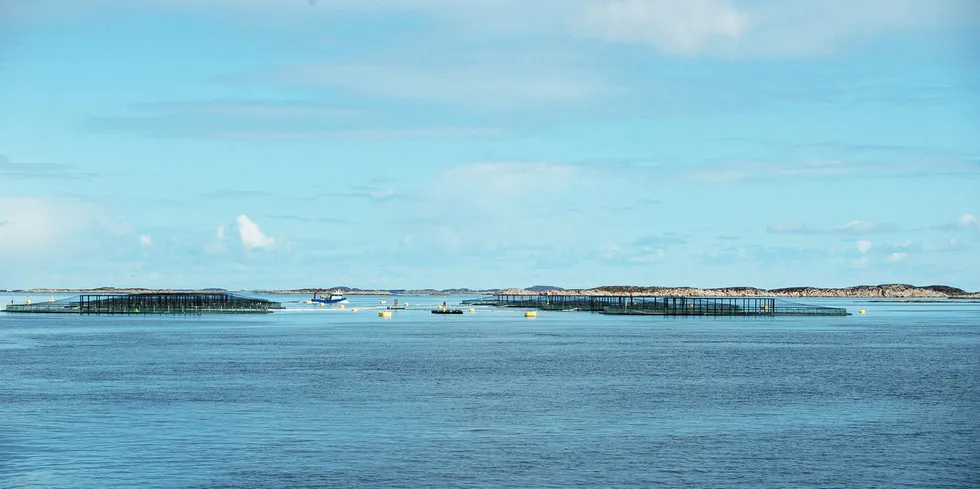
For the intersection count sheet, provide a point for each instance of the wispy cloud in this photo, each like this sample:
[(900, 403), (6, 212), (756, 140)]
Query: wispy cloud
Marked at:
[(852, 227), (644, 250), (897, 257), (662, 240), (487, 83), (834, 161), (683, 27), (243, 194), (34, 225), (703, 27), (371, 193), (758, 254), (496, 186), (250, 108), (269, 120), (47, 171), (298, 218)]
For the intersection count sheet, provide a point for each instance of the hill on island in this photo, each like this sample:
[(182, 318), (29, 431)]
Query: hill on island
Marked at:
[(542, 288)]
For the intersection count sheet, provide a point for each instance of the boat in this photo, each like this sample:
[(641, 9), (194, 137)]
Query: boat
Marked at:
[(396, 305), (447, 311), (444, 309), (332, 298)]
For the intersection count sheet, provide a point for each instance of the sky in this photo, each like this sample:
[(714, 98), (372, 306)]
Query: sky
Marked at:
[(476, 143)]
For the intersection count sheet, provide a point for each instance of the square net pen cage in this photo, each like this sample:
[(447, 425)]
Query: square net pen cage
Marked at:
[(150, 303)]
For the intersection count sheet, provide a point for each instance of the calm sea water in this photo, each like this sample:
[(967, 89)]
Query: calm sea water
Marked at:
[(331, 398)]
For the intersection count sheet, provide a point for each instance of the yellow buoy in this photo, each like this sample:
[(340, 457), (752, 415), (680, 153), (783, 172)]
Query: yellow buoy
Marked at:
[(341, 306), (353, 309), (384, 302), (322, 304), (28, 302), (472, 310), (861, 311), (530, 314), (406, 304), (384, 314), (309, 301), (51, 299)]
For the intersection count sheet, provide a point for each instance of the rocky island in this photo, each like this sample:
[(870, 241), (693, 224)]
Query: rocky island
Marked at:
[(904, 291), (893, 291)]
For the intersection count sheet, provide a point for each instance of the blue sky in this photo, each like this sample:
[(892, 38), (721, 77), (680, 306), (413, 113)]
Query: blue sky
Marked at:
[(437, 143)]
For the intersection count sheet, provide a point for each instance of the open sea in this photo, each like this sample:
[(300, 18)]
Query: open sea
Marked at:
[(325, 397)]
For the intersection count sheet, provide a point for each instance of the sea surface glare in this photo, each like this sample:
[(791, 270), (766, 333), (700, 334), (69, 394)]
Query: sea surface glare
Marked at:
[(334, 398)]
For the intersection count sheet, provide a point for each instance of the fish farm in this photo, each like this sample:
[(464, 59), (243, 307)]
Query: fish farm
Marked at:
[(660, 306), (151, 303)]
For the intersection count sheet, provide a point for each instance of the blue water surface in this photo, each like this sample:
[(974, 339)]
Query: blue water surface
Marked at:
[(326, 397)]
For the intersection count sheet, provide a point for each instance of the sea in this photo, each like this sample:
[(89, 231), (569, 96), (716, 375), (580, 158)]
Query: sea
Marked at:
[(328, 397)]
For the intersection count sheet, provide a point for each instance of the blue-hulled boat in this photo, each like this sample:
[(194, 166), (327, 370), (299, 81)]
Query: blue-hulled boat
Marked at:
[(332, 298)]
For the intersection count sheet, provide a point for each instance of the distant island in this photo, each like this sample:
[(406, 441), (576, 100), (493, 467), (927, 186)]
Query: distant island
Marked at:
[(859, 291)]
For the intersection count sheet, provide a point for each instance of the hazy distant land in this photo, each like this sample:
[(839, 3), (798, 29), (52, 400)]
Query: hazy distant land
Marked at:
[(859, 291)]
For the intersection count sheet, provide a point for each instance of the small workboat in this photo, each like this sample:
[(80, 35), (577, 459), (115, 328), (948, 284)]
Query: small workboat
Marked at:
[(332, 298), (447, 311), (443, 309), (396, 305)]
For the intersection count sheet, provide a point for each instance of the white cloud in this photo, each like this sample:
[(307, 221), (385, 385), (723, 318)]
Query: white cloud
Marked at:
[(897, 257), (676, 26), (863, 245), (969, 220), (220, 232), (382, 194), (146, 240), (251, 236), (36, 225)]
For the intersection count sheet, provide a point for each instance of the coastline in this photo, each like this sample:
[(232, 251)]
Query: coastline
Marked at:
[(895, 291)]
